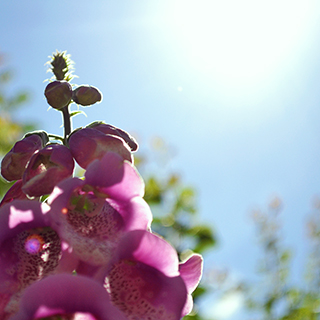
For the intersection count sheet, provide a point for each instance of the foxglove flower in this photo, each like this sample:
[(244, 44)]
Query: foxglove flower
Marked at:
[(89, 144), (15, 161), (67, 297), (46, 168), (92, 214), (97, 227), (29, 250), (143, 278)]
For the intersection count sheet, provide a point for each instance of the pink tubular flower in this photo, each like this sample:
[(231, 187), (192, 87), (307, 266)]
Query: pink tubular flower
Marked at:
[(16, 160), (29, 249), (143, 278), (67, 297), (89, 144), (46, 168), (92, 214)]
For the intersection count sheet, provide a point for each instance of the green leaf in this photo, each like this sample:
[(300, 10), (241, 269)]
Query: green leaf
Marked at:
[(4, 186), (204, 236), (153, 193), (74, 113)]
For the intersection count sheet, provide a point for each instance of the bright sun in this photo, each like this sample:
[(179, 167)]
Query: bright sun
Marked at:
[(241, 42)]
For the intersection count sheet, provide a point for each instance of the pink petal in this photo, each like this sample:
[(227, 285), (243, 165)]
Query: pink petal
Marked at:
[(143, 278), (64, 295), (136, 213), (115, 177), (105, 172), (150, 249), (60, 196), (29, 248), (191, 271)]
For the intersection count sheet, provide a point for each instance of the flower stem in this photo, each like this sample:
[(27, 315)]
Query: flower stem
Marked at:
[(54, 136), (66, 123)]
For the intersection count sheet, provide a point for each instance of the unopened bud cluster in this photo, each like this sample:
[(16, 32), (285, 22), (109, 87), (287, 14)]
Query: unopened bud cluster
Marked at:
[(59, 94)]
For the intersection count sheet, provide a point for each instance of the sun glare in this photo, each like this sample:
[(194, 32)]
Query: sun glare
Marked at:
[(241, 42)]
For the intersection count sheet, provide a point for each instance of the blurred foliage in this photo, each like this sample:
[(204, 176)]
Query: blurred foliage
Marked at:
[(276, 296), (10, 130), (174, 208)]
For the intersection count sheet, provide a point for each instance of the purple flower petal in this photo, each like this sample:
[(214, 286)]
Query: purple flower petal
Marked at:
[(115, 177), (143, 278), (66, 295), (60, 196), (191, 272), (29, 248), (150, 249), (105, 172), (136, 213)]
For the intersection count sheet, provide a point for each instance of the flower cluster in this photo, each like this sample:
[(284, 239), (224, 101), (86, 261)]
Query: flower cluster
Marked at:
[(83, 248)]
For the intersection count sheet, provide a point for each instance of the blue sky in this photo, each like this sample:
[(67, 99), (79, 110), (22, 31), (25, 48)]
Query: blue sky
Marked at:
[(231, 86)]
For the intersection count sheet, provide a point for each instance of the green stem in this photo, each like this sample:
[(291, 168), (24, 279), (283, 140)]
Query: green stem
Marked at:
[(55, 137), (66, 123)]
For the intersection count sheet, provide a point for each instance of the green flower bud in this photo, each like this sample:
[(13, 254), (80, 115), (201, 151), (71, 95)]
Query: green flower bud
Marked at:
[(58, 94), (86, 95)]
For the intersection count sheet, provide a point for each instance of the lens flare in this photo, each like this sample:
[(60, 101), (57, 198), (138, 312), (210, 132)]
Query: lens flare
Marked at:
[(34, 244)]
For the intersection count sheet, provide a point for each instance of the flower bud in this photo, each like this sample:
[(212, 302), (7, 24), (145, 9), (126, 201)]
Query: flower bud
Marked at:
[(15, 161), (58, 94), (46, 168), (109, 129), (86, 95), (89, 144)]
